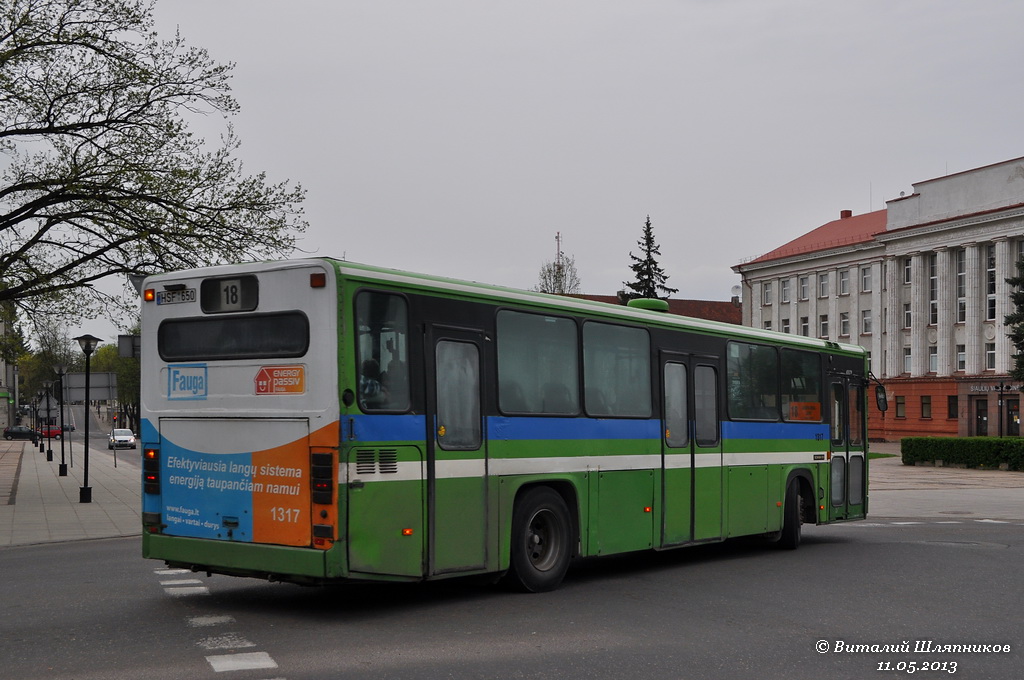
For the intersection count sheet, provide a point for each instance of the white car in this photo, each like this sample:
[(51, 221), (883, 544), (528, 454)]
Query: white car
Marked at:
[(121, 439)]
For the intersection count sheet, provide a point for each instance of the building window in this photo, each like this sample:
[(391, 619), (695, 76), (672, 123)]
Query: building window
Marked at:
[(805, 284), (990, 356), (865, 321), (823, 326), (865, 279), (990, 283), (933, 359), (823, 285), (844, 323), (767, 325), (901, 407), (952, 407), (961, 357), (961, 286), (784, 290), (907, 270), (766, 292), (907, 316), (844, 282), (926, 406), (907, 358), (805, 326), (785, 325)]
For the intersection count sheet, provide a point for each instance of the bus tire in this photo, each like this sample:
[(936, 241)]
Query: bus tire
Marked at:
[(792, 518), (541, 541)]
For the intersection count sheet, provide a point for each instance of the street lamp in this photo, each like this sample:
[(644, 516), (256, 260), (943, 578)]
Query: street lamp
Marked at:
[(61, 370), (88, 344), (47, 384), (39, 420)]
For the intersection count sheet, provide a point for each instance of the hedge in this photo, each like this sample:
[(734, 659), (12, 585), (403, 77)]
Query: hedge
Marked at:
[(973, 452)]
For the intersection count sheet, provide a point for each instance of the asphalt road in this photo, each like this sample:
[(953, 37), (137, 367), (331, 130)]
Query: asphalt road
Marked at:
[(95, 609)]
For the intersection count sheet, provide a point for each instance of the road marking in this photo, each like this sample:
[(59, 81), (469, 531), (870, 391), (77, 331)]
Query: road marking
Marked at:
[(181, 591), (241, 662), (992, 521), (906, 523), (171, 572), (181, 582), (204, 621), (226, 641)]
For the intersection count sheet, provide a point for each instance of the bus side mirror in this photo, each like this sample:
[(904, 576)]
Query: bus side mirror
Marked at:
[(880, 399)]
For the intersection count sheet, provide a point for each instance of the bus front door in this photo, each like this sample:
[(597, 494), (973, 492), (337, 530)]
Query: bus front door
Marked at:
[(456, 451), (848, 466)]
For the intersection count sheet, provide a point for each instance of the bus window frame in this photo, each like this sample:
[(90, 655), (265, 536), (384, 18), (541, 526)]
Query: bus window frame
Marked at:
[(410, 350), (777, 408), (653, 373)]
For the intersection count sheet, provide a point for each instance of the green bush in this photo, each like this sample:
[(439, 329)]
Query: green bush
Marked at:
[(973, 452)]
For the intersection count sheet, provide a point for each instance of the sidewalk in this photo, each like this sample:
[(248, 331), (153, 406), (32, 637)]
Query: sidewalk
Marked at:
[(896, 490), (38, 506)]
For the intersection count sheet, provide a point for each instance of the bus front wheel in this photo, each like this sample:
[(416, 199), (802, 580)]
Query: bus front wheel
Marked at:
[(541, 541)]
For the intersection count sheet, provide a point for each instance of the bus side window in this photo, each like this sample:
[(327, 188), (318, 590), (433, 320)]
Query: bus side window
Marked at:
[(382, 325)]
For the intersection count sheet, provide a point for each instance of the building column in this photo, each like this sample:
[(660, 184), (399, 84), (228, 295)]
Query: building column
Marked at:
[(776, 304), (1005, 268), (833, 305), (919, 314), (756, 304), (877, 319), (892, 318), (853, 309), (794, 305), (973, 330), (947, 312)]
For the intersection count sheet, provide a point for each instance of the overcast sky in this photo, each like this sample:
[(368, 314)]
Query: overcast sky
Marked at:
[(456, 138)]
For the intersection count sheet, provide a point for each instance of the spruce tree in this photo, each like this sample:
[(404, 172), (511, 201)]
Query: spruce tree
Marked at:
[(650, 277)]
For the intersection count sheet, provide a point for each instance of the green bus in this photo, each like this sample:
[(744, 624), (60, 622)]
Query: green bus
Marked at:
[(317, 421)]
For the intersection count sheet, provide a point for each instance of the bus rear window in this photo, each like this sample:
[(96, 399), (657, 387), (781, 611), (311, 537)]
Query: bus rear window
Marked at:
[(262, 336)]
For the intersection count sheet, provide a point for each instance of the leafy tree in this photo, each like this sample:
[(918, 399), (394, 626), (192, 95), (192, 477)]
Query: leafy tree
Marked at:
[(12, 339), (101, 176), (107, 359), (560, 278), (650, 277), (1014, 321)]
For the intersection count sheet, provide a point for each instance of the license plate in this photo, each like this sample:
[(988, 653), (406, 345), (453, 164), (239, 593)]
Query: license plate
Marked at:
[(174, 297)]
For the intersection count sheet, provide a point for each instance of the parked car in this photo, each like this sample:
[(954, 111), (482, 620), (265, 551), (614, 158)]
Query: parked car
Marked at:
[(20, 432), (51, 431), (121, 439)]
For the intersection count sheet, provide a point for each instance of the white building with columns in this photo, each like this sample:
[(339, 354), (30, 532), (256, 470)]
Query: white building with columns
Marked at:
[(922, 285)]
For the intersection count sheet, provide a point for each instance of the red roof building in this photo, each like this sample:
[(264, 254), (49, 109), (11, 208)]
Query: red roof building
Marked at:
[(921, 285)]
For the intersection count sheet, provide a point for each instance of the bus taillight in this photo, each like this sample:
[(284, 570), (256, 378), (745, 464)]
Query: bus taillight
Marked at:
[(321, 477), (151, 470)]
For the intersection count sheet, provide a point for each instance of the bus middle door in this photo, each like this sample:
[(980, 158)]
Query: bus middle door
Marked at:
[(456, 451)]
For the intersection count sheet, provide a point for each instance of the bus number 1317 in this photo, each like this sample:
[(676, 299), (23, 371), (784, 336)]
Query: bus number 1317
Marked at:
[(290, 515)]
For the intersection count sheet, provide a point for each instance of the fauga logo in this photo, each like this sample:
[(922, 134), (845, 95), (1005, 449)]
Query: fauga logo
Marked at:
[(187, 381)]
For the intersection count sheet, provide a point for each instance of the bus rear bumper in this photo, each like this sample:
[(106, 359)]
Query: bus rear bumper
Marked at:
[(270, 562)]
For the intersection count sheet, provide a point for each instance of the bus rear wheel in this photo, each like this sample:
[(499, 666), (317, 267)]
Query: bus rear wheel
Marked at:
[(541, 541), (792, 518)]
